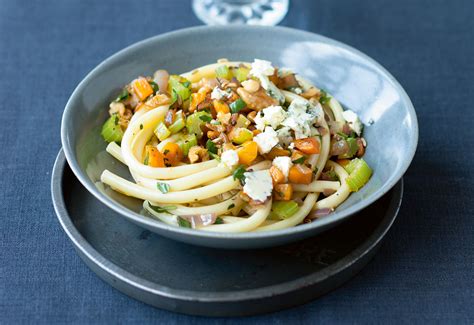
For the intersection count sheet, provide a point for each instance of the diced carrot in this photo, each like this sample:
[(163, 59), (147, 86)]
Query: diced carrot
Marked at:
[(153, 157), (172, 154), (300, 174), (142, 88), (283, 192), (248, 152), (296, 155), (221, 107), (277, 152), (277, 175), (255, 132), (196, 99), (307, 145), (343, 162)]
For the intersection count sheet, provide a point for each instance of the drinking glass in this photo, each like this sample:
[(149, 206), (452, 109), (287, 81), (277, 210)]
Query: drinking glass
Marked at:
[(252, 12)]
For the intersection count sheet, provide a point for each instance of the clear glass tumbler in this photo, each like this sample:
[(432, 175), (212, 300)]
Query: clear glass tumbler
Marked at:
[(252, 12)]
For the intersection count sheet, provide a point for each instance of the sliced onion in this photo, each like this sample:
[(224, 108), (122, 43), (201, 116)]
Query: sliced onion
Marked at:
[(339, 148), (319, 213), (161, 78), (198, 220)]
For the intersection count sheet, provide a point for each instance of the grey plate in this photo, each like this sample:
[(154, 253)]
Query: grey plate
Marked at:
[(356, 80), (215, 282)]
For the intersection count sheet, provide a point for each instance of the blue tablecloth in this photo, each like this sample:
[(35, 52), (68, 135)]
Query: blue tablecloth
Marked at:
[(425, 269)]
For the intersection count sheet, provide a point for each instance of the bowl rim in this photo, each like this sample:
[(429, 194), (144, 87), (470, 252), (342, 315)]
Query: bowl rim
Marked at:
[(151, 223)]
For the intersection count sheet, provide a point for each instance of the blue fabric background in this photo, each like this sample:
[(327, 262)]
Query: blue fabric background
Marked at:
[(423, 272)]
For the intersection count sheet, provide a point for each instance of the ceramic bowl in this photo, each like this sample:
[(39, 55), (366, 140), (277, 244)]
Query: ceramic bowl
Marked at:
[(357, 81)]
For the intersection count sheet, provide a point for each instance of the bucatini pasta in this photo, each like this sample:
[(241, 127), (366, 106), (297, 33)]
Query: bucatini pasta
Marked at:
[(234, 147)]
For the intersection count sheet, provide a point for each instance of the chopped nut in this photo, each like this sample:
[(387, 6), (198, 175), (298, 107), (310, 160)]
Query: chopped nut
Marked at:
[(212, 134), (197, 153), (311, 92), (116, 108), (258, 100), (251, 116), (251, 85)]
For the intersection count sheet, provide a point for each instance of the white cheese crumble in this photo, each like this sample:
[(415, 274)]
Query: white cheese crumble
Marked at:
[(230, 158), (283, 164), (353, 120), (301, 116), (284, 135), (272, 115), (266, 140), (258, 185), (219, 94), (262, 69)]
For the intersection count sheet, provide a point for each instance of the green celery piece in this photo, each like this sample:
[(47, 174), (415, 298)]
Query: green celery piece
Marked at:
[(223, 71), (162, 132), (284, 209), (194, 122), (179, 86), (111, 130), (241, 73), (242, 135), (177, 125), (188, 141), (359, 174)]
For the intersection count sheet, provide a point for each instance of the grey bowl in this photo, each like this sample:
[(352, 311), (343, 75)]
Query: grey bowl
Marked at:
[(356, 80)]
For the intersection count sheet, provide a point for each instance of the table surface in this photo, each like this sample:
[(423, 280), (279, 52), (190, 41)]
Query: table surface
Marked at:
[(425, 268)]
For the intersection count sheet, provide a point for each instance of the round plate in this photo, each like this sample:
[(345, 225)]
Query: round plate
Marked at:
[(215, 282)]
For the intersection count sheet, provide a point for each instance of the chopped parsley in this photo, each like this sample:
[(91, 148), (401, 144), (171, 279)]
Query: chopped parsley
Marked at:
[(154, 86), (123, 95), (141, 126), (239, 174), (165, 152), (231, 206), (219, 221), (300, 160), (184, 223), (165, 209), (324, 99), (211, 147), (205, 118), (147, 158), (163, 187)]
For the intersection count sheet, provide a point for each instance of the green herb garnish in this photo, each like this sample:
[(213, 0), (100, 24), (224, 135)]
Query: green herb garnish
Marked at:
[(300, 160), (147, 158), (219, 221), (231, 206), (123, 95), (237, 105), (184, 223), (163, 187), (154, 86), (165, 209), (324, 99), (205, 118), (186, 84), (239, 174), (211, 147)]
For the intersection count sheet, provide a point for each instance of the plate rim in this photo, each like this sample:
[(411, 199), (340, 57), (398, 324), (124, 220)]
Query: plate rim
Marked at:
[(159, 226), (86, 250)]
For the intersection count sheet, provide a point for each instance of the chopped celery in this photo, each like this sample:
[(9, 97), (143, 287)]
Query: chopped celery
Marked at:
[(186, 142), (283, 209), (194, 122), (353, 147), (241, 73), (162, 132), (359, 174), (179, 124), (111, 130), (179, 86), (241, 135), (242, 122), (237, 106), (223, 71)]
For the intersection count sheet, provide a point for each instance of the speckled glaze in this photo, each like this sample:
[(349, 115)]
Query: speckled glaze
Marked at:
[(357, 81)]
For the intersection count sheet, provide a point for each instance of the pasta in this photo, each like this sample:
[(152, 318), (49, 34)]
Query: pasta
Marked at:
[(234, 147)]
